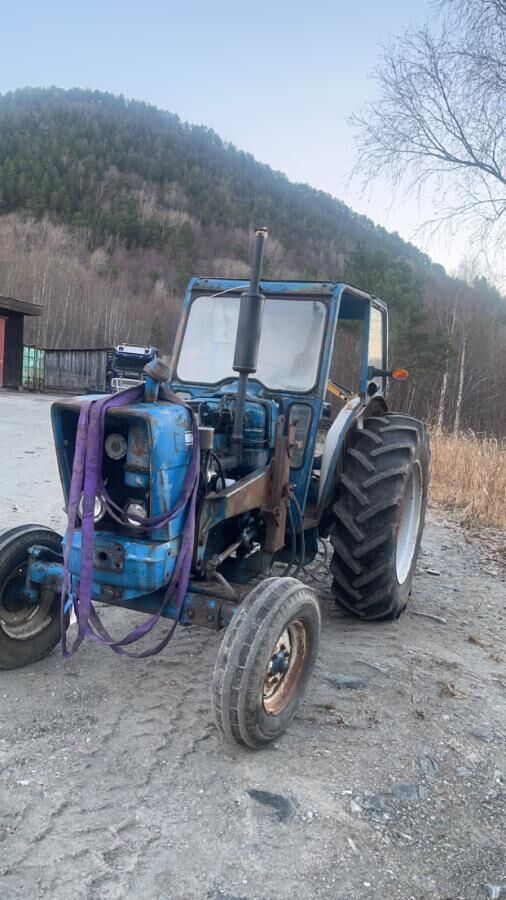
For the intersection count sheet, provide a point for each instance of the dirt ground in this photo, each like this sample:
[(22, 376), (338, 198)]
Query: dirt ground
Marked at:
[(115, 784)]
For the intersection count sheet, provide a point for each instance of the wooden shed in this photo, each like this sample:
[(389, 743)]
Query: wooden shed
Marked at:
[(12, 313), (75, 370)]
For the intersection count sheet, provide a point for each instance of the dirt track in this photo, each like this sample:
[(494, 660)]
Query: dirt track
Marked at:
[(114, 783)]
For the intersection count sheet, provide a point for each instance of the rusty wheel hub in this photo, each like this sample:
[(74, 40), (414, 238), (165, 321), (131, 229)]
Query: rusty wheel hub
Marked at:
[(19, 619), (284, 669)]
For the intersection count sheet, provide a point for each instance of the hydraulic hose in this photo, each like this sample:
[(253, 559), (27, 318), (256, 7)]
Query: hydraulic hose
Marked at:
[(289, 565), (220, 468)]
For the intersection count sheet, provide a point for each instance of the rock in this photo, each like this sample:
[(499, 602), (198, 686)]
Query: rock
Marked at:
[(476, 759), (484, 733), (408, 793), (423, 615), (433, 572), (428, 765), (354, 682), (376, 806), (383, 670), (353, 845), (498, 797), (462, 772), (284, 808), (495, 891)]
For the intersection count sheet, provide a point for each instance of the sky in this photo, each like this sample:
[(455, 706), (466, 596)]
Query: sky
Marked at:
[(278, 79)]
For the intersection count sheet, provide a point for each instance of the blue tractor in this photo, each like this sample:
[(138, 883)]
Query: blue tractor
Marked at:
[(226, 467)]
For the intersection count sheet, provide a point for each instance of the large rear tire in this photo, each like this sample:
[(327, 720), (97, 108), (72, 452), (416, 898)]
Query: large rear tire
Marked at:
[(379, 516), (265, 661), (28, 631)]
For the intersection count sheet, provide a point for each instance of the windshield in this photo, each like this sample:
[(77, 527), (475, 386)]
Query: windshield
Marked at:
[(290, 344)]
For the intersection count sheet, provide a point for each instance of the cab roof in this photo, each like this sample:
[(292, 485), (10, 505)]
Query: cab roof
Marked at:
[(271, 287)]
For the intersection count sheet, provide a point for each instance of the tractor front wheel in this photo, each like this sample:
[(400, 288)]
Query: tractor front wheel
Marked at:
[(379, 515), (28, 631), (265, 661)]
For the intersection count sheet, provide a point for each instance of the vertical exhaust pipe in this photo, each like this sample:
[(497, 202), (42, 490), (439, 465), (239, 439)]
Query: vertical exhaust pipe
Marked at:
[(247, 341)]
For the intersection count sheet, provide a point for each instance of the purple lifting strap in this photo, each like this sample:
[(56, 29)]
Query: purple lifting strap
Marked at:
[(87, 480)]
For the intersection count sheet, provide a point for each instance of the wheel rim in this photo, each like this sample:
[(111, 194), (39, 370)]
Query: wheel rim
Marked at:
[(285, 667), (409, 523), (19, 619)]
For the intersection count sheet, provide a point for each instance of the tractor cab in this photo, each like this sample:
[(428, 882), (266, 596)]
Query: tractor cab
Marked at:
[(320, 345)]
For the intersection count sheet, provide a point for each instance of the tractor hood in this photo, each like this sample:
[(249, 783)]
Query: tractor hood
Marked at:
[(147, 450)]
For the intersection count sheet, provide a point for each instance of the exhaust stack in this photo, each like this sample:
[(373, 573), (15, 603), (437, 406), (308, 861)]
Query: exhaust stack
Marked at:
[(248, 339)]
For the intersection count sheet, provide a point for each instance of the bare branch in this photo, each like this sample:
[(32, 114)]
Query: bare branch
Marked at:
[(440, 118)]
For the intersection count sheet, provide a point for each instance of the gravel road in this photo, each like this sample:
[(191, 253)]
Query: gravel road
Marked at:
[(114, 782)]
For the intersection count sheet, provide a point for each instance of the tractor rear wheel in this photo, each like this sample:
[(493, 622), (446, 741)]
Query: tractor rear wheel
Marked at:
[(265, 661), (28, 631), (379, 516)]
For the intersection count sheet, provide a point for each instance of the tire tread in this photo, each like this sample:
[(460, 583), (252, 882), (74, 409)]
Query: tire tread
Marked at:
[(366, 514)]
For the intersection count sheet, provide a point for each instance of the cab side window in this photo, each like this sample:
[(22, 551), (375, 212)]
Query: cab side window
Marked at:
[(348, 353)]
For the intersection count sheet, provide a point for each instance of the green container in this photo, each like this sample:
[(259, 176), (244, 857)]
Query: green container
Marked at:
[(33, 369)]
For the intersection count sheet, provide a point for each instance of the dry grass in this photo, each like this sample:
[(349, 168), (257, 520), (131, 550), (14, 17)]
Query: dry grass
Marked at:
[(469, 474)]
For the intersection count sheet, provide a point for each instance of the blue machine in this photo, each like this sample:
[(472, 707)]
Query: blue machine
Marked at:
[(252, 374)]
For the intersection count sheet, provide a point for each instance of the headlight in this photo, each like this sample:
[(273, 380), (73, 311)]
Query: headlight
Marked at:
[(98, 509), (135, 508), (115, 446)]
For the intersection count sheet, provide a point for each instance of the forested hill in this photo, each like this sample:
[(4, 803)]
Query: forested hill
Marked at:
[(108, 205), (85, 157)]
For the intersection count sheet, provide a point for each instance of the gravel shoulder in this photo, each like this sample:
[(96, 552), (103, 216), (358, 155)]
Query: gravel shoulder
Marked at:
[(389, 785)]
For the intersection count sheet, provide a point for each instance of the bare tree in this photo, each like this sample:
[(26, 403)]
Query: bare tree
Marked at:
[(447, 320), (440, 118)]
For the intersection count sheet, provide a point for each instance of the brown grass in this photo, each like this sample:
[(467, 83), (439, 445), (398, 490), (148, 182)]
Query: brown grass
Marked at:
[(469, 475)]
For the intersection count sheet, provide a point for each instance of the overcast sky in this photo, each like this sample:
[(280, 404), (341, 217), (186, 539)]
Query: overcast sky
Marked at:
[(278, 79)]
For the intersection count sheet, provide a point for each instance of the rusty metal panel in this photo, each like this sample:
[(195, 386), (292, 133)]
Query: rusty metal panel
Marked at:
[(251, 492), (76, 371), (277, 507)]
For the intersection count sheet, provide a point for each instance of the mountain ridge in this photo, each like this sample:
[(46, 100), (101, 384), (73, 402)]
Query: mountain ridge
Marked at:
[(24, 104)]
